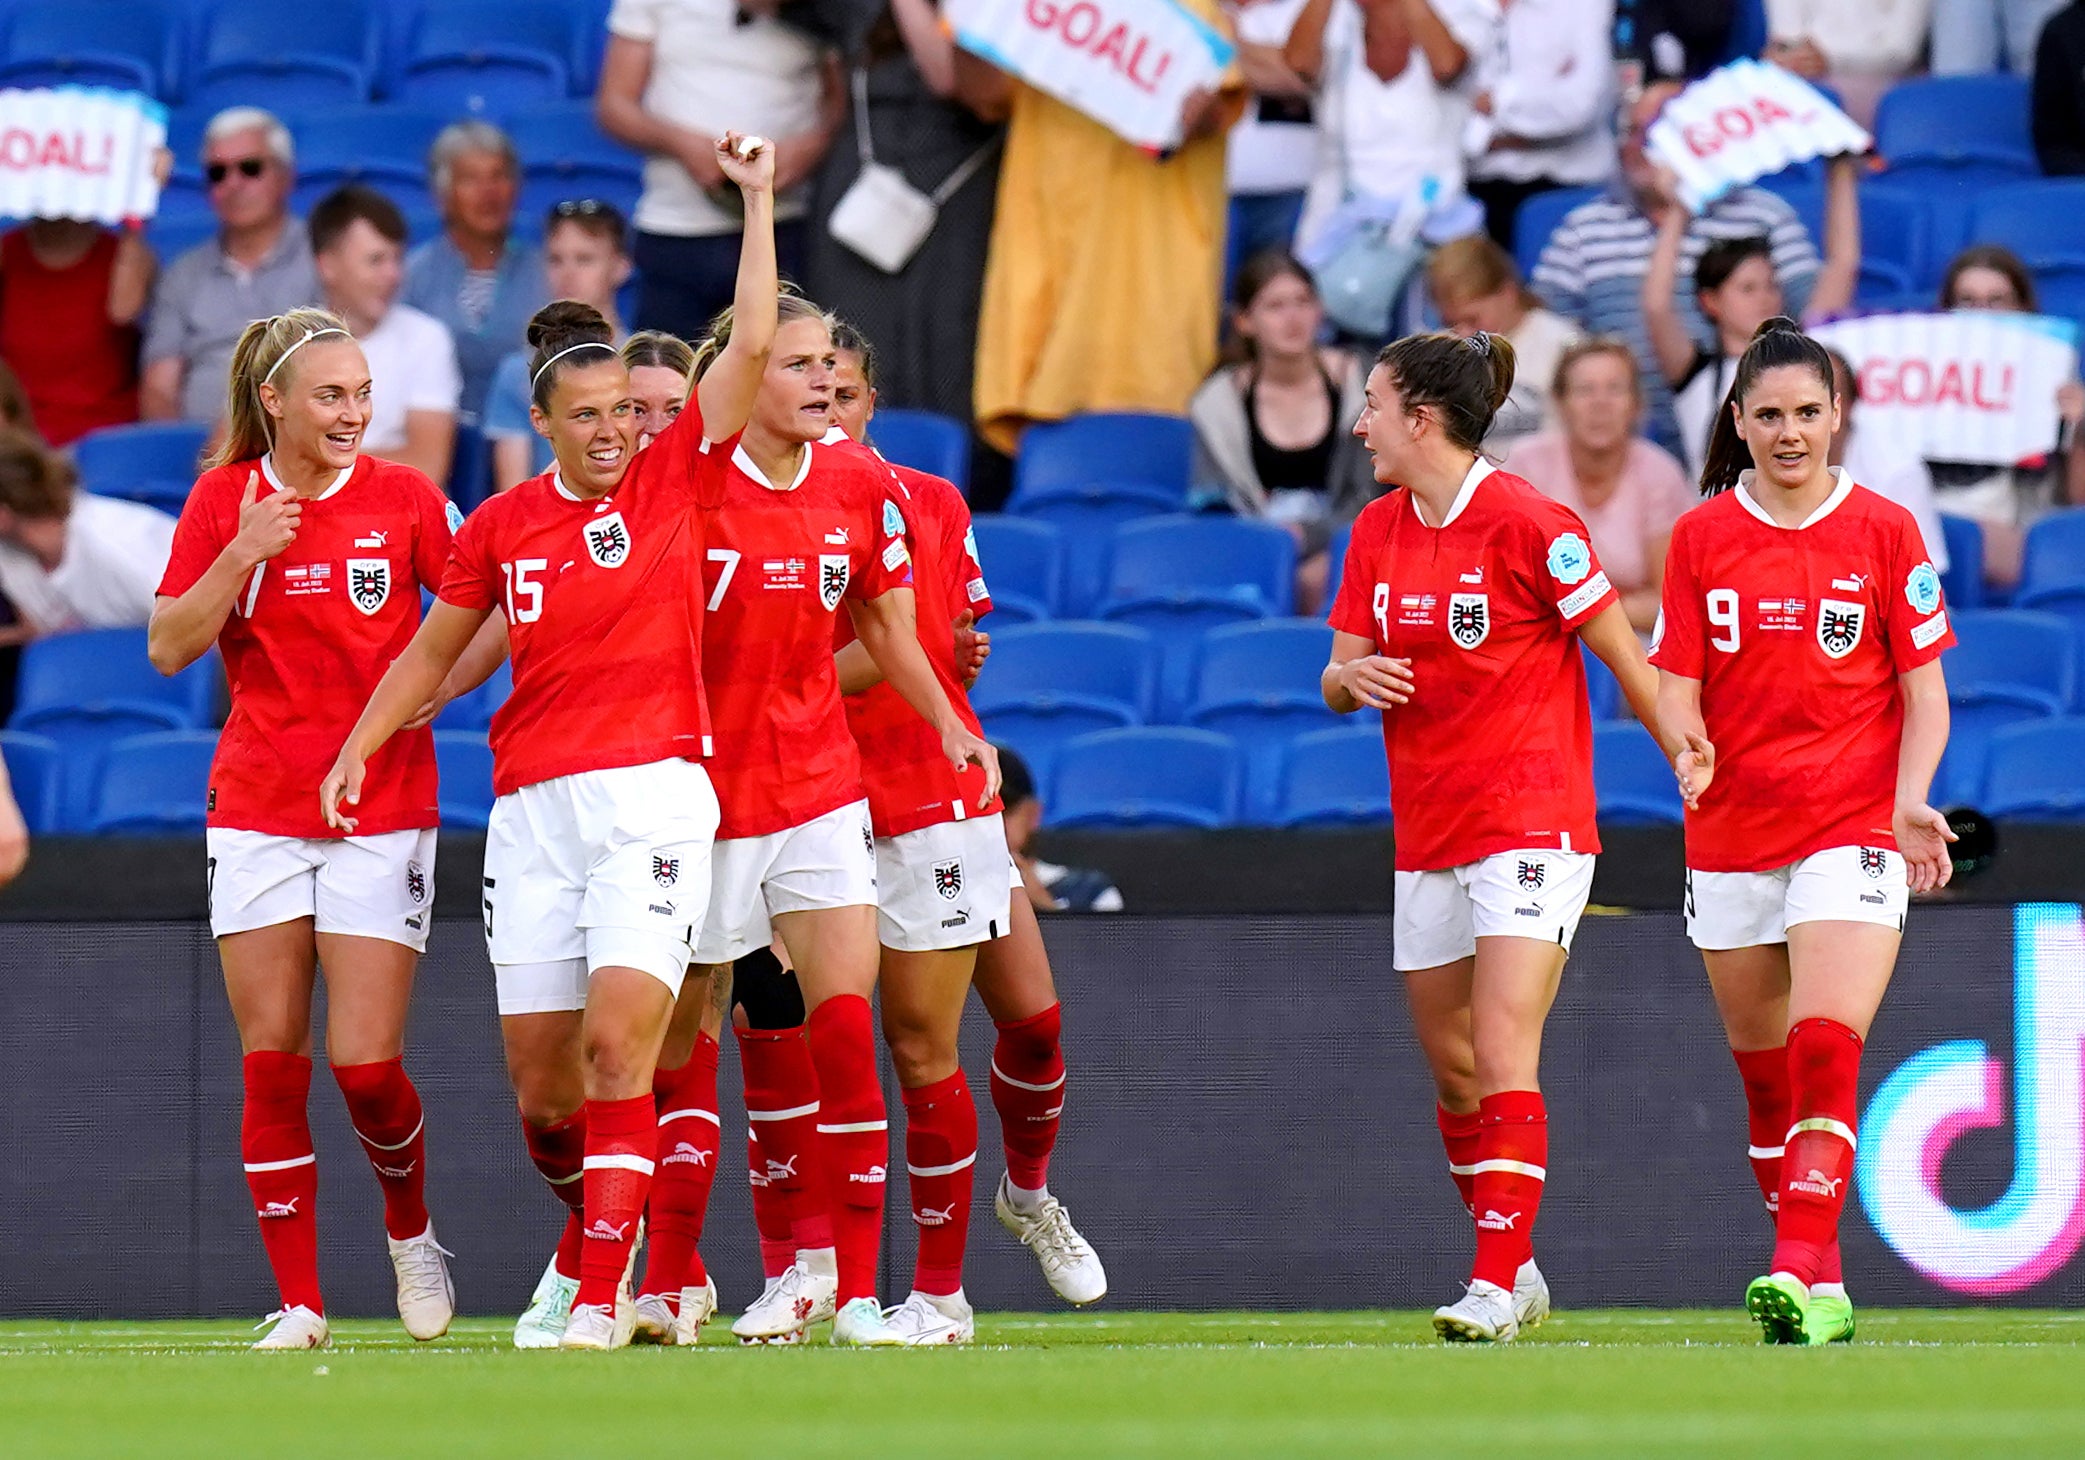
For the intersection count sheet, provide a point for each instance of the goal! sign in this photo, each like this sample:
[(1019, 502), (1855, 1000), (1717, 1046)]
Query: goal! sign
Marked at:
[(1744, 122), (76, 152)]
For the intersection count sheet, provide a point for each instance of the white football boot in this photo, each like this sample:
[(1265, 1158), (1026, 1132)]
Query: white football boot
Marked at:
[(859, 1324), (426, 1293), (789, 1304), (697, 1307), (592, 1326), (1530, 1296), (549, 1308), (1069, 1263), (924, 1320), (654, 1320), (1483, 1315), (294, 1328)]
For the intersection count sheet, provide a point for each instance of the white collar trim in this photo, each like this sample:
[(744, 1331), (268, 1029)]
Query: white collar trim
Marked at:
[(1479, 470), (557, 484), (745, 464), (1829, 505), (268, 471)]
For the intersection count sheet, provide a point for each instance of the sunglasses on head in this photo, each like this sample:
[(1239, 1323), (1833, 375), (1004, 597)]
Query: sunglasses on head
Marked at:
[(217, 172), (585, 208)]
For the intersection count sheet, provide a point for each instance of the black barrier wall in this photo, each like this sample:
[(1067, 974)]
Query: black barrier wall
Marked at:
[(1248, 1124)]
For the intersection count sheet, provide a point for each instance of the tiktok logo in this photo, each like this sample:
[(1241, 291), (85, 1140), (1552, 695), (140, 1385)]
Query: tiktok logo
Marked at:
[(1932, 1099)]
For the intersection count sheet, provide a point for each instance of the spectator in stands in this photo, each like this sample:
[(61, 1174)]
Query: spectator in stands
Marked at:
[(920, 121), (1735, 292), (258, 265), (1593, 265), (1274, 148), (675, 72), (586, 253), (1883, 466), (1100, 296), (1050, 887), (477, 278), (1476, 288), (1859, 48), (2006, 500), (1628, 491), (1975, 37), (2059, 93), (358, 245), (14, 402), (71, 296), (1274, 429), (1677, 40), (70, 559), (1544, 108)]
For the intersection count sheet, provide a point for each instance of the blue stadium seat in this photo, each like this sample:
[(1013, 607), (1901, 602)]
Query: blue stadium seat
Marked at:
[(154, 784), (152, 461), (131, 45), (1126, 449), (1012, 610), (1603, 691), (1336, 563), (1178, 560), (356, 143), (2052, 577), (283, 87), (2034, 772), (1538, 218), (1894, 222), (488, 57), (318, 55), (2008, 666), (1258, 684), (470, 468), (1088, 516), (1049, 683), (2060, 288), (1957, 124), (2042, 222), (566, 157), (925, 441), (1963, 582), (1336, 777), (1023, 563), (1148, 777), (464, 759), (34, 769), (1633, 780)]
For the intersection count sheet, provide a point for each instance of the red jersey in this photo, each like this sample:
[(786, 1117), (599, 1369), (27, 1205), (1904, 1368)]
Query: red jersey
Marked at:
[(1495, 750), (313, 630), (780, 562), (1797, 636), (604, 607), (911, 784)]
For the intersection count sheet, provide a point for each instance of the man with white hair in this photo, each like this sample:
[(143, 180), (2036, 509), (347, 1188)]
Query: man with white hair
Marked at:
[(477, 277), (258, 264)]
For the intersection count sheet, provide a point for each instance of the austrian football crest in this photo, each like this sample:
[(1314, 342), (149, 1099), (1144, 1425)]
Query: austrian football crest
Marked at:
[(1839, 626), (608, 540), (832, 579), (665, 870), (1469, 618), (368, 583), (1874, 861), (948, 878), (416, 882), (1531, 875)]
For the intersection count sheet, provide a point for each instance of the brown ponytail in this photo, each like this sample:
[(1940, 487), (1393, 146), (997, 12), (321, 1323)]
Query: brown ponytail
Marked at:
[(1778, 342), (559, 326), (1465, 379), (263, 347)]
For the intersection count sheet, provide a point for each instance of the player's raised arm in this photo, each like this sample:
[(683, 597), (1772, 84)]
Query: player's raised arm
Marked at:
[(727, 389)]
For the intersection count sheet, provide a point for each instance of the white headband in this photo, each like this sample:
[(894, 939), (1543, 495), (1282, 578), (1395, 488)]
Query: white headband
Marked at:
[(309, 336), (582, 345)]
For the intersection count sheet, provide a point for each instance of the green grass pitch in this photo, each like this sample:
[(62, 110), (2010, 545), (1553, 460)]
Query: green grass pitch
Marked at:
[(1619, 1382)]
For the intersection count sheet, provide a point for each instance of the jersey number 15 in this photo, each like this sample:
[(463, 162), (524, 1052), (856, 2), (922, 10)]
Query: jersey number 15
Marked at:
[(524, 591)]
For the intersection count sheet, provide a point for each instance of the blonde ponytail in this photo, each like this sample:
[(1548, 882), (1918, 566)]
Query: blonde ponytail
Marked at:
[(263, 347)]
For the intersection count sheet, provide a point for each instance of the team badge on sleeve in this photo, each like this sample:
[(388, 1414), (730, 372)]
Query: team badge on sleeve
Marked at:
[(1569, 558), (608, 540), (1469, 618), (369, 583), (893, 519), (833, 569), (1839, 625), (948, 878), (1922, 589)]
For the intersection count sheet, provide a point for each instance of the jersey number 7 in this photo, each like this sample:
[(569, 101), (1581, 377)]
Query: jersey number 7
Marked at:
[(729, 558)]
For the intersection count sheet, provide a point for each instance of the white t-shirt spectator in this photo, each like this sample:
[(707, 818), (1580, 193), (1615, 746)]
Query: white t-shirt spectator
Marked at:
[(716, 67), (1538, 347), (1384, 138), (1893, 470), (1268, 151), (1552, 83), (412, 367), (115, 554)]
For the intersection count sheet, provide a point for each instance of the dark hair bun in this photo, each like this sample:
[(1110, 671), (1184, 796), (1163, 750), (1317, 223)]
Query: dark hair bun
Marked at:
[(563, 323), (1780, 324)]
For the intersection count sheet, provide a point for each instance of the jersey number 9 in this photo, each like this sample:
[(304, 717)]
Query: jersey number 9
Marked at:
[(1723, 614)]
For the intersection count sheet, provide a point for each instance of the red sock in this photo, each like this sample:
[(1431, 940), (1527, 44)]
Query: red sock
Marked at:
[(940, 1152), (621, 1137), (1824, 1062), (782, 1103), (1459, 1137), (559, 1150), (281, 1171), (385, 1110), (570, 1244), (1765, 1073), (770, 1211), (1028, 1093), (689, 1134), (856, 1134), (1506, 1187)]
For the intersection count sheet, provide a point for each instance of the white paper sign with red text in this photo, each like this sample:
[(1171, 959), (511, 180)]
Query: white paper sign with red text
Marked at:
[(80, 152), (1744, 122), (1960, 387), (1128, 64)]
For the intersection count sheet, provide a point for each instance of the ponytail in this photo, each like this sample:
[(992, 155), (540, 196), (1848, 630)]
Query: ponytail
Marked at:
[(259, 358), (1779, 342), (1466, 379)]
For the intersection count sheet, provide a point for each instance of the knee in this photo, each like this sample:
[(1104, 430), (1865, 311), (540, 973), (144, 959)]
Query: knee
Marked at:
[(1457, 1089), (918, 1053), (545, 1094)]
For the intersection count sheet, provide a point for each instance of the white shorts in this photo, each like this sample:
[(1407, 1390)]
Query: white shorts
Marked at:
[(1439, 916), (829, 861), (941, 886), (1838, 885), (596, 870), (378, 886)]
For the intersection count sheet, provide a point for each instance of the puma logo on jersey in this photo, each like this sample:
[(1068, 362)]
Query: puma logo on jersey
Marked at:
[(375, 539), (837, 537)]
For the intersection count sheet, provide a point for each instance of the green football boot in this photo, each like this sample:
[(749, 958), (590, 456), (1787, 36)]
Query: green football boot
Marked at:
[(1829, 1319), (1779, 1304)]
